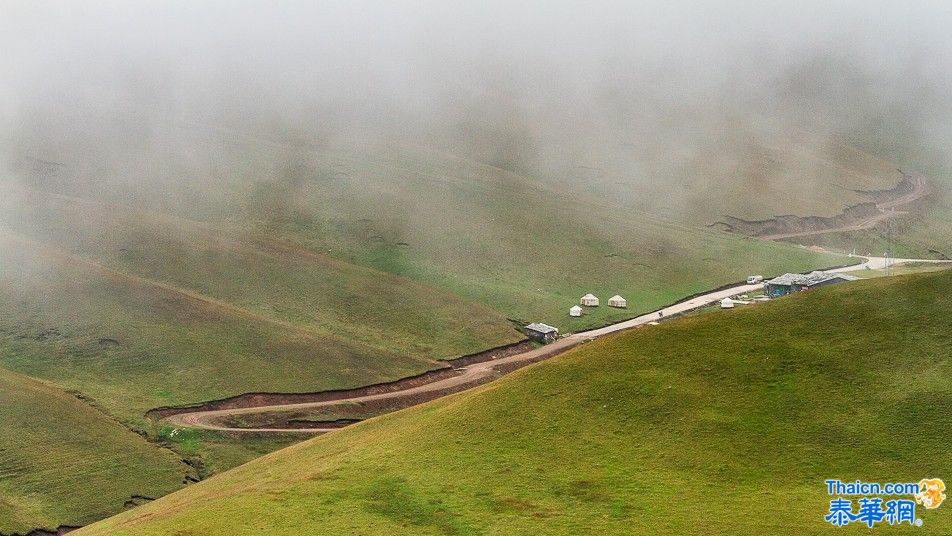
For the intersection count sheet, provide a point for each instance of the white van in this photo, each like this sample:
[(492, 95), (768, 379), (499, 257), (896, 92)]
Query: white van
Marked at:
[(754, 279)]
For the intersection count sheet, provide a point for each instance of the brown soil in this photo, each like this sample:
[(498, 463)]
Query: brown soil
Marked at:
[(249, 400), (293, 420), (861, 216), (58, 531)]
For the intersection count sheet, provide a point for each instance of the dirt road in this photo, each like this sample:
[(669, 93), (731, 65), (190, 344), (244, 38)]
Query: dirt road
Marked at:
[(886, 210), (481, 372)]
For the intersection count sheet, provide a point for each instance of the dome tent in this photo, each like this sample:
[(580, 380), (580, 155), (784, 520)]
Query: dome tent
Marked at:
[(589, 300)]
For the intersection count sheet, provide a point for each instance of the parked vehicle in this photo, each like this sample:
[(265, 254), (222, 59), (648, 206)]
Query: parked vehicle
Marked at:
[(754, 279)]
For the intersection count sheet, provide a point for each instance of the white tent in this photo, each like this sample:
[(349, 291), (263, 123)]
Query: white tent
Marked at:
[(575, 311), (727, 303), (617, 301), (590, 300)]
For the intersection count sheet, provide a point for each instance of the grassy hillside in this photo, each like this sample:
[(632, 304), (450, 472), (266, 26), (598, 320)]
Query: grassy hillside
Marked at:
[(133, 344), (748, 171), (720, 423), (925, 231), (272, 280), (514, 243), (506, 240), (63, 462)]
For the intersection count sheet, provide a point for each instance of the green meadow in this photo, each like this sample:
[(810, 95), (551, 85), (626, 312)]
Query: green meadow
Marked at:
[(727, 422), (327, 268), (64, 462)]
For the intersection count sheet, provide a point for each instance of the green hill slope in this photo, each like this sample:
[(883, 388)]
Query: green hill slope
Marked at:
[(134, 343), (173, 279), (525, 245), (719, 423), (513, 242), (63, 462)]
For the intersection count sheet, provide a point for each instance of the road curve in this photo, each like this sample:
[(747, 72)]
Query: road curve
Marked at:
[(887, 209), (479, 372)]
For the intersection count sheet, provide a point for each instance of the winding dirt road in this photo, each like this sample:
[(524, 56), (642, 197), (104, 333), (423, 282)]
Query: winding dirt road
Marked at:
[(886, 210), (481, 372)]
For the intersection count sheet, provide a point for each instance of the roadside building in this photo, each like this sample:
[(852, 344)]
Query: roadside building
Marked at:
[(575, 311), (790, 283), (589, 300), (727, 303), (617, 301), (543, 333)]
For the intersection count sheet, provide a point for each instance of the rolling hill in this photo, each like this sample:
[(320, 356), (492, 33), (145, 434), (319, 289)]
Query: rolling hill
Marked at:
[(726, 422), (65, 463), (133, 343), (380, 265), (255, 265)]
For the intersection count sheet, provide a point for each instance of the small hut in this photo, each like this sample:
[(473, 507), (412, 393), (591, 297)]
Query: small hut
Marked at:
[(575, 311), (617, 301), (727, 303), (589, 300), (543, 333)]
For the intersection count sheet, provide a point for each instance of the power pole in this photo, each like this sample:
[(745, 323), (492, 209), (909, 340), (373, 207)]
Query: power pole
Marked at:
[(889, 238)]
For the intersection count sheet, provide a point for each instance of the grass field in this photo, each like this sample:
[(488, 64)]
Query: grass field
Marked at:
[(132, 346), (506, 240), (63, 462), (751, 172), (903, 269), (925, 231), (295, 269), (726, 422)]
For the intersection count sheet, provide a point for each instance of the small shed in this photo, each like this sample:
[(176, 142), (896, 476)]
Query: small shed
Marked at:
[(575, 311), (590, 300), (617, 301), (727, 303), (543, 333), (789, 283)]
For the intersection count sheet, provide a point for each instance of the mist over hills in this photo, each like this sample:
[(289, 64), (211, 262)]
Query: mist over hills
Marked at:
[(202, 200), (659, 108)]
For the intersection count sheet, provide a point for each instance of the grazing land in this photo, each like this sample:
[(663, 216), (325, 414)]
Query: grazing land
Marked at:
[(337, 268), (684, 428), (132, 345), (65, 463)]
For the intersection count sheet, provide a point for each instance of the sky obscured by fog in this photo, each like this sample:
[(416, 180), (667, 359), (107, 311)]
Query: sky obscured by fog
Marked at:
[(535, 87)]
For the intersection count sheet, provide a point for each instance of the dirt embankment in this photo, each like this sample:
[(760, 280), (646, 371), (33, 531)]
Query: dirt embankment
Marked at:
[(59, 531), (304, 419), (860, 216), (250, 400)]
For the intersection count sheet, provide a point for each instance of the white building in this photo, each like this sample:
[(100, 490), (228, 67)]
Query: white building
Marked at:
[(617, 301), (575, 311), (543, 333), (590, 300), (727, 303)]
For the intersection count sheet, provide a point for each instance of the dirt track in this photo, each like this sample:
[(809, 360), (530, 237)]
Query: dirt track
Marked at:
[(471, 374), (855, 218)]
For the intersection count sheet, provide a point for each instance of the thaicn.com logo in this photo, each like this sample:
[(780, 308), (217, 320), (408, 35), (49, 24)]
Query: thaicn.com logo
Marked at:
[(882, 503)]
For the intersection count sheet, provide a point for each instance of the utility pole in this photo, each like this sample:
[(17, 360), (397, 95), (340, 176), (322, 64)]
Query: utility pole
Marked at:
[(889, 238)]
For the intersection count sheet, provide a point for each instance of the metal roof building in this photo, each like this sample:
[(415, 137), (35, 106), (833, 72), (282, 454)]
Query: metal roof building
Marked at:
[(542, 332), (787, 283)]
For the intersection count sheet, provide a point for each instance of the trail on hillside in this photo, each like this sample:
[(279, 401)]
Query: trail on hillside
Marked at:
[(911, 188), (484, 368)]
